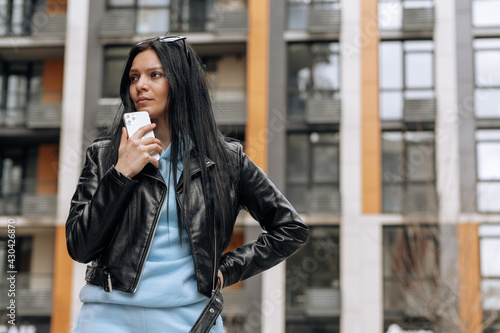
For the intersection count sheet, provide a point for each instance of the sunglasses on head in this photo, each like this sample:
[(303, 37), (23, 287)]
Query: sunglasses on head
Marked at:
[(169, 39)]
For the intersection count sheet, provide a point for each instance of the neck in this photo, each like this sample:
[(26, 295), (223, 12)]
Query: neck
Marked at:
[(162, 133)]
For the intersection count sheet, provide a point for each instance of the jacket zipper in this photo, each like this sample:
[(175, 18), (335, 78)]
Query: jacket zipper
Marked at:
[(154, 231)]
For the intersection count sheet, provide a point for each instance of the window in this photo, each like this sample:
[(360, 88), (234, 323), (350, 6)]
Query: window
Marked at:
[(313, 283), (313, 81), (488, 173), (313, 172), (17, 176), (114, 63), (19, 81), (152, 16), (411, 276), (485, 13), (489, 246), (407, 80), (487, 78), (391, 13), (15, 17), (408, 173)]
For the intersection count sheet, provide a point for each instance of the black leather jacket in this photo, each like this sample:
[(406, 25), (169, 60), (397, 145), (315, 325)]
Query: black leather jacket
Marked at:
[(113, 218)]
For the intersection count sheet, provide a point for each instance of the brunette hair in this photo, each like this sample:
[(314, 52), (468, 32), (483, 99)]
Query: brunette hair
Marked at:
[(192, 125)]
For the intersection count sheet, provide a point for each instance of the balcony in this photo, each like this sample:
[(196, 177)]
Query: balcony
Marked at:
[(28, 197), (33, 294), (315, 199), (43, 110), (230, 106), (419, 110), (416, 199), (214, 17), (315, 17), (26, 19), (407, 17), (316, 108)]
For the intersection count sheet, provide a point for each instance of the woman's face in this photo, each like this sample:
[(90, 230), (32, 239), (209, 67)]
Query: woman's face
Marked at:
[(148, 84)]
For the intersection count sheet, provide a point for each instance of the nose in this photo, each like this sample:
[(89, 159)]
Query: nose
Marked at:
[(142, 83)]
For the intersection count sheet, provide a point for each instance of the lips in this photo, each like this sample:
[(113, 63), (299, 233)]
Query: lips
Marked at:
[(142, 99)]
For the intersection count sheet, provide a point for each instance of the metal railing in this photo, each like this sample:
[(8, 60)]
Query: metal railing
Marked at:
[(213, 16), (33, 294), (25, 197), (28, 19)]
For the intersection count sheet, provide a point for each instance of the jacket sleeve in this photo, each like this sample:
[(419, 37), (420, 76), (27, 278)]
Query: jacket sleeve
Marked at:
[(284, 232), (95, 209)]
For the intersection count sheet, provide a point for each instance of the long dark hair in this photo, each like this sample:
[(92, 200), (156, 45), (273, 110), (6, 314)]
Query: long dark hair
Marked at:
[(192, 125)]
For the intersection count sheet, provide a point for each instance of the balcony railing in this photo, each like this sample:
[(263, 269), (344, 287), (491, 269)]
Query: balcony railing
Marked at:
[(127, 21), (415, 199), (22, 198), (419, 110), (314, 17), (323, 198), (407, 16), (33, 294), (316, 108), (27, 19), (42, 110), (230, 106)]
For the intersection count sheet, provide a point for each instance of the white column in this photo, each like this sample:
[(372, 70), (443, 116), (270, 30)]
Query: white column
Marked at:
[(360, 236), (447, 160), (273, 300), (70, 154)]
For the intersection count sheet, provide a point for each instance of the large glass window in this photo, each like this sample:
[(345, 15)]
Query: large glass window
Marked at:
[(406, 78), (485, 13), (488, 173), (313, 283), (487, 77), (411, 276), (408, 172), (313, 172), (19, 81), (490, 274), (313, 79)]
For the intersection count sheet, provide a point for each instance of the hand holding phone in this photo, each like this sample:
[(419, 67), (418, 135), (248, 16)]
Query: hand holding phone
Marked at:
[(135, 120)]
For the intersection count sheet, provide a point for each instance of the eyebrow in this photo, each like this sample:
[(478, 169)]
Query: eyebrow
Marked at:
[(147, 69)]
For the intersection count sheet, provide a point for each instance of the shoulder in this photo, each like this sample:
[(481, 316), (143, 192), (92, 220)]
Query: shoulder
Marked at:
[(98, 147), (233, 146)]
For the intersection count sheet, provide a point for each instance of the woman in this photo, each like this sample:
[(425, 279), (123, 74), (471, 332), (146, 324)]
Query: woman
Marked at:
[(155, 231)]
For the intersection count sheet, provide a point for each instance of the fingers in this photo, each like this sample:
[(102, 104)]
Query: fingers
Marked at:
[(124, 137), (149, 140), (143, 130)]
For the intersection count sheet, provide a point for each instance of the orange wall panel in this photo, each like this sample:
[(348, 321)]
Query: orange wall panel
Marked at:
[(370, 121), (256, 134), (56, 6), (48, 160), (52, 81), (62, 285), (469, 278)]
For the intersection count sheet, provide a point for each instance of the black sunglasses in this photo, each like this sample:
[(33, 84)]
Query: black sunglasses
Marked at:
[(169, 39)]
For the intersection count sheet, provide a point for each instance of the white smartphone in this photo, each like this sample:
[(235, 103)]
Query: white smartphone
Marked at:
[(135, 120)]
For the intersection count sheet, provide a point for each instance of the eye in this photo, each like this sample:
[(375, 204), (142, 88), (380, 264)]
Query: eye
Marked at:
[(156, 74), (133, 78)]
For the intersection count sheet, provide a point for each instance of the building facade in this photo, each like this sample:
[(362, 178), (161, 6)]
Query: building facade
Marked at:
[(378, 119)]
